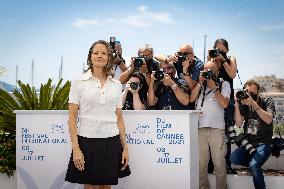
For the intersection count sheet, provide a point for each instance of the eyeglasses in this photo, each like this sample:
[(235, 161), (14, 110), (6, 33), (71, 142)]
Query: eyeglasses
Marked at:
[(184, 53)]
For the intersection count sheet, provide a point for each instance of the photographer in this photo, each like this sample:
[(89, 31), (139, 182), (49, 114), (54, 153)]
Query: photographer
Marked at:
[(166, 91), (228, 68), (119, 62), (256, 115), (212, 98), (144, 64), (132, 97), (187, 65)]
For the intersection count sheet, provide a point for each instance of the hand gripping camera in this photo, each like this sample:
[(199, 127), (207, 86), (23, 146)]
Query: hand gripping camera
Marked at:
[(135, 85), (209, 74), (159, 75), (138, 62), (214, 53), (241, 95), (181, 57), (241, 141)]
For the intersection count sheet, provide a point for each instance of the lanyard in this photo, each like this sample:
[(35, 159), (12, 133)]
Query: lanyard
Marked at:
[(204, 94)]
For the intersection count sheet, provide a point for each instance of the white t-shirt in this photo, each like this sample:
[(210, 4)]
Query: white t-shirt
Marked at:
[(213, 114), (97, 105), (117, 73)]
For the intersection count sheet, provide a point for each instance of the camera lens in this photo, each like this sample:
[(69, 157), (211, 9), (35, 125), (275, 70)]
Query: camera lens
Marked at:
[(159, 75), (241, 95), (213, 53), (208, 74), (138, 62), (134, 85)]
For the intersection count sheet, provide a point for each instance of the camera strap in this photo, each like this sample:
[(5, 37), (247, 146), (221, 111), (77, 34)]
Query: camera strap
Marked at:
[(239, 78), (204, 94)]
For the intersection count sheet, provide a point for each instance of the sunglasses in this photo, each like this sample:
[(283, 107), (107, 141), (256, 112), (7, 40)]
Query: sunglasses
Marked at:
[(184, 53)]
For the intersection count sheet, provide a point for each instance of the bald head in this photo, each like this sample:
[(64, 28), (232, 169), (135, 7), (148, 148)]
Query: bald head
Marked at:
[(186, 48), (212, 66)]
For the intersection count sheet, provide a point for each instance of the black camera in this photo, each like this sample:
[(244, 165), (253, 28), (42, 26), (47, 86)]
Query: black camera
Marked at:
[(112, 42), (178, 64), (134, 85), (276, 146), (231, 133), (241, 141), (209, 74), (138, 62), (241, 95), (181, 58), (159, 75), (214, 53)]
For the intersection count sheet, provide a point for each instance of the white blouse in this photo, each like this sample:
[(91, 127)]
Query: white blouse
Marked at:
[(97, 105)]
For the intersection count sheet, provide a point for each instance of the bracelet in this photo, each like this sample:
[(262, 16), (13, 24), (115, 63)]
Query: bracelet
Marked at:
[(257, 108), (186, 74), (174, 87)]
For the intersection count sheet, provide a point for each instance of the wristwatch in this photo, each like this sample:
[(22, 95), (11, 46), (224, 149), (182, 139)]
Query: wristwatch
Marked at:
[(174, 87), (186, 74)]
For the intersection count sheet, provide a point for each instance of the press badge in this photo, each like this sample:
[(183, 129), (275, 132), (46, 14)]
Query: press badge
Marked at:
[(253, 126)]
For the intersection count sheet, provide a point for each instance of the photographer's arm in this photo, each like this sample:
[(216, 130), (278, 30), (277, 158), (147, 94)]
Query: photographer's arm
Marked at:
[(180, 95), (195, 92), (231, 68), (264, 115), (122, 67), (151, 98), (222, 101), (238, 117), (222, 98), (190, 82), (124, 77), (137, 104)]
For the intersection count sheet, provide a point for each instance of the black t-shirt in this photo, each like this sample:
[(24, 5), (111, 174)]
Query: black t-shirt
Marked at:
[(265, 131), (128, 105), (167, 99), (223, 74)]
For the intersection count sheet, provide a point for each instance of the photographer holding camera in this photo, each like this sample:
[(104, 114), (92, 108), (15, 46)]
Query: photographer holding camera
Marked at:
[(144, 64), (256, 115), (119, 62), (212, 97), (228, 68), (187, 65), (132, 97), (166, 91)]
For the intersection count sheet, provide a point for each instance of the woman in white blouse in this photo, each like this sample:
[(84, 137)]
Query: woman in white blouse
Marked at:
[(99, 149)]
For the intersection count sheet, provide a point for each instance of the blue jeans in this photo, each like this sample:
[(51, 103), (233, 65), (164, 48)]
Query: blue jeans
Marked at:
[(241, 157)]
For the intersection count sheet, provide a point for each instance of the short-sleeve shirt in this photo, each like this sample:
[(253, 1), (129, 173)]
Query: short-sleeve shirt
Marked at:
[(213, 113), (194, 69), (167, 99), (265, 131), (97, 105)]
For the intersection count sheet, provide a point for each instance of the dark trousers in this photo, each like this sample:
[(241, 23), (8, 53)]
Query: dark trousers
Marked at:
[(241, 157)]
